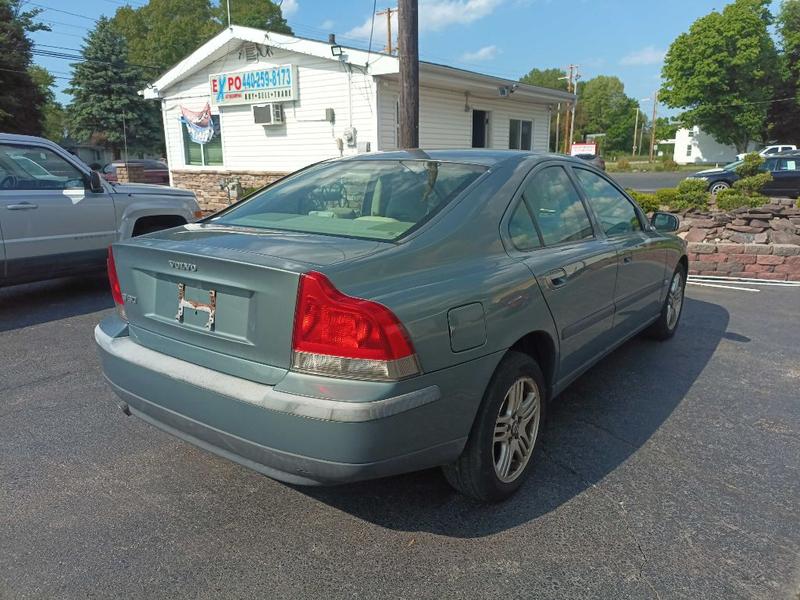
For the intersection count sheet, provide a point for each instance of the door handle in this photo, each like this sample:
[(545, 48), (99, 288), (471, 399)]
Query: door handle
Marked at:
[(556, 278), (627, 259), (22, 206)]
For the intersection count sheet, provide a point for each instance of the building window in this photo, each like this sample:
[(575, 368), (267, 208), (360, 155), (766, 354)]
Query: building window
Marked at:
[(691, 133), (689, 150), (519, 134), (204, 154)]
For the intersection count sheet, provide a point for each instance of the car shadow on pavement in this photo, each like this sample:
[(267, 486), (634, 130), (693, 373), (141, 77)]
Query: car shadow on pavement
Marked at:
[(597, 424), (45, 301)]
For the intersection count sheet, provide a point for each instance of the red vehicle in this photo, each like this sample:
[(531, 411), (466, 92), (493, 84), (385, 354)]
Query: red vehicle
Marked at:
[(155, 171)]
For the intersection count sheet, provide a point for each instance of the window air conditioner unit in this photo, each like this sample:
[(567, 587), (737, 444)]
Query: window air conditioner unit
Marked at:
[(268, 114)]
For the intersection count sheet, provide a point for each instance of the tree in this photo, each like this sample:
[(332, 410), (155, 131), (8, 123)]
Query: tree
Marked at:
[(106, 107), (547, 78), (53, 114), (21, 99), (723, 73), (163, 32), (604, 108), (667, 128), (261, 15), (784, 114)]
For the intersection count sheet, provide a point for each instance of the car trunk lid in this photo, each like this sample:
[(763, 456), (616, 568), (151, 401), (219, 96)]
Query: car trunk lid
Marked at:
[(221, 297)]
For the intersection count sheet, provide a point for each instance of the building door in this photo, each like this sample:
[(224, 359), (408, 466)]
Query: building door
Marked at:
[(480, 129)]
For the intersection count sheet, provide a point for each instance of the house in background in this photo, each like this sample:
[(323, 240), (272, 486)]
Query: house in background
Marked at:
[(279, 103), (694, 146)]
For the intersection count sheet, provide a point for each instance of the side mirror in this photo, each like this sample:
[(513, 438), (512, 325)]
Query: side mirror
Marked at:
[(665, 222), (95, 183)]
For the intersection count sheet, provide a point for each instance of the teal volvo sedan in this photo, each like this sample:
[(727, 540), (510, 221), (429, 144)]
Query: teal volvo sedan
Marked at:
[(387, 313)]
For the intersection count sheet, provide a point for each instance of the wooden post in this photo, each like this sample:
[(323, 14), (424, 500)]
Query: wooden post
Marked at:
[(408, 42), (653, 125)]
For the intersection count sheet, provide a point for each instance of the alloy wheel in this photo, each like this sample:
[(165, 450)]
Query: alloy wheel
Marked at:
[(516, 429), (674, 300)]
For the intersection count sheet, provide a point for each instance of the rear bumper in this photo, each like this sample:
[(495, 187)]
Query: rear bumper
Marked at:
[(298, 439)]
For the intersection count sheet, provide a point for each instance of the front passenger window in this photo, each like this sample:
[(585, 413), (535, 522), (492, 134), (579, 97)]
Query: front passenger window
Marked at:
[(615, 212), (35, 168), (557, 207)]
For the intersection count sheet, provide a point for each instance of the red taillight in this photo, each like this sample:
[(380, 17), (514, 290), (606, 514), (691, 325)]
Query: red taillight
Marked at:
[(336, 334), (113, 280)]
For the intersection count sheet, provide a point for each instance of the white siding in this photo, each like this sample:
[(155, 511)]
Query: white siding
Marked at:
[(695, 146), (443, 122), (305, 137)]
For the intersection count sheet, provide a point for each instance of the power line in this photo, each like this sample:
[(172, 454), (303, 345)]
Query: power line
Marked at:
[(58, 10), (371, 29), (26, 72)]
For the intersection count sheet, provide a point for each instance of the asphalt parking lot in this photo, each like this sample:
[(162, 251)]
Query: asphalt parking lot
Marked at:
[(668, 471)]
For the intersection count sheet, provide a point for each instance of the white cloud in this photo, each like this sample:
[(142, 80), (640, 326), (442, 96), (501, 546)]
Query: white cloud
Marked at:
[(649, 55), (289, 7), (485, 53), (327, 24), (434, 15)]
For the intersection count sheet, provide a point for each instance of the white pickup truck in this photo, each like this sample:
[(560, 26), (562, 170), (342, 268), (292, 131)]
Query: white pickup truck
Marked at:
[(58, 217)]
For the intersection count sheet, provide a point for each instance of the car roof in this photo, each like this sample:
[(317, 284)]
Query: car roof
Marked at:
[(480, 156)]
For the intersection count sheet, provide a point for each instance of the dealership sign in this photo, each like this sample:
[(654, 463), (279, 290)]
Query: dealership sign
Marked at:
[(275, 84), (584, 148)]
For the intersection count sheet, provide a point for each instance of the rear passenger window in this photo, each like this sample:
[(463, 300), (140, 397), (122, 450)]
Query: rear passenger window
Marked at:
[(522, 230), (614, 211), (557, 208)]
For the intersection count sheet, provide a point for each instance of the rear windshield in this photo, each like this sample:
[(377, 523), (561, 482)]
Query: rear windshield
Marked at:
[(372, 199)]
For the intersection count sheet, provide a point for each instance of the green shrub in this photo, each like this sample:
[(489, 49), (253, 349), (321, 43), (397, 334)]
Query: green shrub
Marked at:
[(751, 165), (691, 193), (648, 202), (669, 164), (752, 185), (667, 197), (731, 199), (623, 164)]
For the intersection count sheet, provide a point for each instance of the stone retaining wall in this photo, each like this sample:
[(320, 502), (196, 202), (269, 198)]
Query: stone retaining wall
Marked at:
[(217, 189), (779, 262), (777, 222)]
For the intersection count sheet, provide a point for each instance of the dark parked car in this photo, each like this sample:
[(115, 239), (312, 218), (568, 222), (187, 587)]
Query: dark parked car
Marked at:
[(389, 312), (785, 169), (594, 159), (155, 171)]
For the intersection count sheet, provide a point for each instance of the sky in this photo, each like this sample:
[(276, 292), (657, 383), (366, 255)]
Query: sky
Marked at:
[(626, 38)]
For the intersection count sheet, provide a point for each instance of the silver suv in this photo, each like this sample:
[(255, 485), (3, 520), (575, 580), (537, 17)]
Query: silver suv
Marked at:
[(58, 217)]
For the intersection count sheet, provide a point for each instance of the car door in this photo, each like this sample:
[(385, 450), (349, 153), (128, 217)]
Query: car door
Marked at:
[(551, 230), (641, 256), (51, 222), (785, 177)]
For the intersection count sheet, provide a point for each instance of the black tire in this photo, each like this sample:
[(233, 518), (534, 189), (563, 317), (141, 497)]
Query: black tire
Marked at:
[(474, 473), (665, 327)]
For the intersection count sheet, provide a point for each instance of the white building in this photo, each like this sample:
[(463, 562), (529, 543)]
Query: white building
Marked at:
[(694, 146), (321, 101)]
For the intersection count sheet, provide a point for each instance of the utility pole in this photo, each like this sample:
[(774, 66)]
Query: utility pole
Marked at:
[(558, 126), (569, 123), (574, 104), (408, 41), (635, 131), (653, 126), (388, 12)]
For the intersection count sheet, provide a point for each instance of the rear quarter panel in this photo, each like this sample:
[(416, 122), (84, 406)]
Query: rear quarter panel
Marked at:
[(459, 259)]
